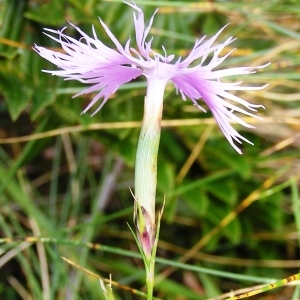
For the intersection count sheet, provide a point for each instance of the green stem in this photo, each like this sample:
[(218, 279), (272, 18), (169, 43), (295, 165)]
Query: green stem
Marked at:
[(146, 176), (146, 156), (150, 279)]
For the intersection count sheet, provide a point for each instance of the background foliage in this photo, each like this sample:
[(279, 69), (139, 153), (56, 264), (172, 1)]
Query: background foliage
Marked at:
[(65, 176)]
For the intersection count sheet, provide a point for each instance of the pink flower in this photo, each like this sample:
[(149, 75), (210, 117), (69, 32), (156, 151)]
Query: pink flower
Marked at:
[(89, 61)]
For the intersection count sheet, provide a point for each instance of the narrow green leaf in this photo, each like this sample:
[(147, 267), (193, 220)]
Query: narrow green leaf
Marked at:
[(11, 25), (53, 10), (16, 93)]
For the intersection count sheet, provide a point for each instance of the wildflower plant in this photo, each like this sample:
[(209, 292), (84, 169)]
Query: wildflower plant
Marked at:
[(196, 77)]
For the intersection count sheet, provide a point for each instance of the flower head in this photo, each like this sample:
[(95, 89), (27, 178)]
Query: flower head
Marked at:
[(104, 69)]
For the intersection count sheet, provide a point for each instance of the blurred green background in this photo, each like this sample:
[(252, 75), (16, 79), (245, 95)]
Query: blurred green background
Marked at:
[(232, 220)]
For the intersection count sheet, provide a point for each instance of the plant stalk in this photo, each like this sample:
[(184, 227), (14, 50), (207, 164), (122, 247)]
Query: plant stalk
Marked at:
[(146, 176), (147, 149)]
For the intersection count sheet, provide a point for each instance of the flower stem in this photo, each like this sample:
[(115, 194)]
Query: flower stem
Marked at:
[(146, 156), (146, 177)]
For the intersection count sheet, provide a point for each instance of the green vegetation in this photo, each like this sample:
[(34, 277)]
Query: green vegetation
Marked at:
[(230, 221)]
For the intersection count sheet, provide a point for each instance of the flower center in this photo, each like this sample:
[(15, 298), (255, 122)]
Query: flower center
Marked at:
[(159, 70)]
